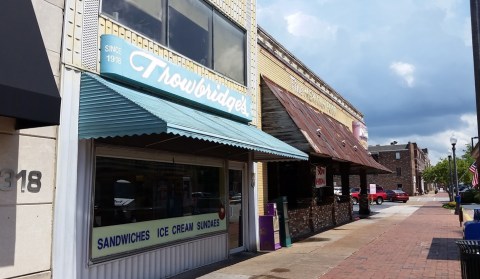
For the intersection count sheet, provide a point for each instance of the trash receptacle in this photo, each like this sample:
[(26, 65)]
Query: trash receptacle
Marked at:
[(469, 258), (282, 210), (471, 229)]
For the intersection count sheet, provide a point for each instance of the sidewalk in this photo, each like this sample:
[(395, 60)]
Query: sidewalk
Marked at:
[(415, 240), (420, 246)]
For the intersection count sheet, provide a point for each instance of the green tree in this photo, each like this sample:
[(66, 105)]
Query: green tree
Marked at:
[(438, 173), (468, 151), (463, 164)]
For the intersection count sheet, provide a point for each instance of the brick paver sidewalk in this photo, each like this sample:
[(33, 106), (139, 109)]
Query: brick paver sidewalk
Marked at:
[(421, 246)]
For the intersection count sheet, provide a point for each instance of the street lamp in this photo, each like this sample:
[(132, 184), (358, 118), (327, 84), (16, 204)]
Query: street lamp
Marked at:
[(472, 141), (450, 185), (453, 141)]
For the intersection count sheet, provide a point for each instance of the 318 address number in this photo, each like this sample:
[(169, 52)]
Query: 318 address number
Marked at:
[(32, 181)]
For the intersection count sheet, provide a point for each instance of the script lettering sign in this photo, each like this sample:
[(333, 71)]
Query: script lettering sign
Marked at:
[(123, 61)]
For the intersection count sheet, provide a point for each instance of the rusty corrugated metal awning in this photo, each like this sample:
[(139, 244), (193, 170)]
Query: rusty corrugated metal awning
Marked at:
[(310, 130)]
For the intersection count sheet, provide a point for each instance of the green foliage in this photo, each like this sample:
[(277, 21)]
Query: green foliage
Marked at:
[(439, 173), (467, 155), (449, 205), (476, 198), (469, 196)]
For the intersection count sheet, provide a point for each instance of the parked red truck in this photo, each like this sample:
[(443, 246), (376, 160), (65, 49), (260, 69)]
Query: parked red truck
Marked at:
[(378, 197)]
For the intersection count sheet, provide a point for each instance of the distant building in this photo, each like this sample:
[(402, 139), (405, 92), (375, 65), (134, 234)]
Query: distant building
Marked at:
[(407, 161)]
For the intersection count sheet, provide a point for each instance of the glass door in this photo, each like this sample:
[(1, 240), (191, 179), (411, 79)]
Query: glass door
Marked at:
[(235, 225)]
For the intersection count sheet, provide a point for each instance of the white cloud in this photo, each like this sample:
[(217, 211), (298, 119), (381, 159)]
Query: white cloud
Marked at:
[(416, 45), (303, 25), (405, 71), (447, 6), (467, 32), (438, 144)]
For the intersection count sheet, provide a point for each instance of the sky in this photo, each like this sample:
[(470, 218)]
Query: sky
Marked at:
[(407, 65)]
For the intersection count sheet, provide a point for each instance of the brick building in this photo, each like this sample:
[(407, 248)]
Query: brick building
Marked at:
[(407, 161)]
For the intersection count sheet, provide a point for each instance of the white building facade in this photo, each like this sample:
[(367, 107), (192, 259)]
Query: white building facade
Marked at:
[(156, 147)]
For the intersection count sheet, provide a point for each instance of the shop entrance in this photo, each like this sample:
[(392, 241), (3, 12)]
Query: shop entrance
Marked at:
[(236, 220)]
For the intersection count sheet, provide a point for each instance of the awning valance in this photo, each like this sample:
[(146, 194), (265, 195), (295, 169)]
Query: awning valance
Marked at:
[(311, 130), (108, 109)]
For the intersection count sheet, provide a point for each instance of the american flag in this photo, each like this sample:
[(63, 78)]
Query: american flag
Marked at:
[(473, 169)]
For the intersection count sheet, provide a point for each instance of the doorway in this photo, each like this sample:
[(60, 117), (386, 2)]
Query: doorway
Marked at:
[(235, 209)]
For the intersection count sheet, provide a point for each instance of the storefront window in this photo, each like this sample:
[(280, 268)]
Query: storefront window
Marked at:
[(195, 30), (145, 17), (141, 203), (128, 191), (189, 30), (228, 43)]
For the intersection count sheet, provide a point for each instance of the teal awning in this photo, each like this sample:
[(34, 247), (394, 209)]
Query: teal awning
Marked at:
[(108, 110)]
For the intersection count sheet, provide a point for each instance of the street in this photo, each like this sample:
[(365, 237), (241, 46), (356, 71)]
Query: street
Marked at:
[(414, 200)]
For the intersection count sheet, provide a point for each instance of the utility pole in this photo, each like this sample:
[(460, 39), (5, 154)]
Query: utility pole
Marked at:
[(475, 16)]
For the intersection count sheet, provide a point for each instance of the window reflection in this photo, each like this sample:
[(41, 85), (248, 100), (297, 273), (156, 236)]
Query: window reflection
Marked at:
[(144, 16), (129, 191), (189, 30), (228, 43), (195, 30), (235, 236)]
